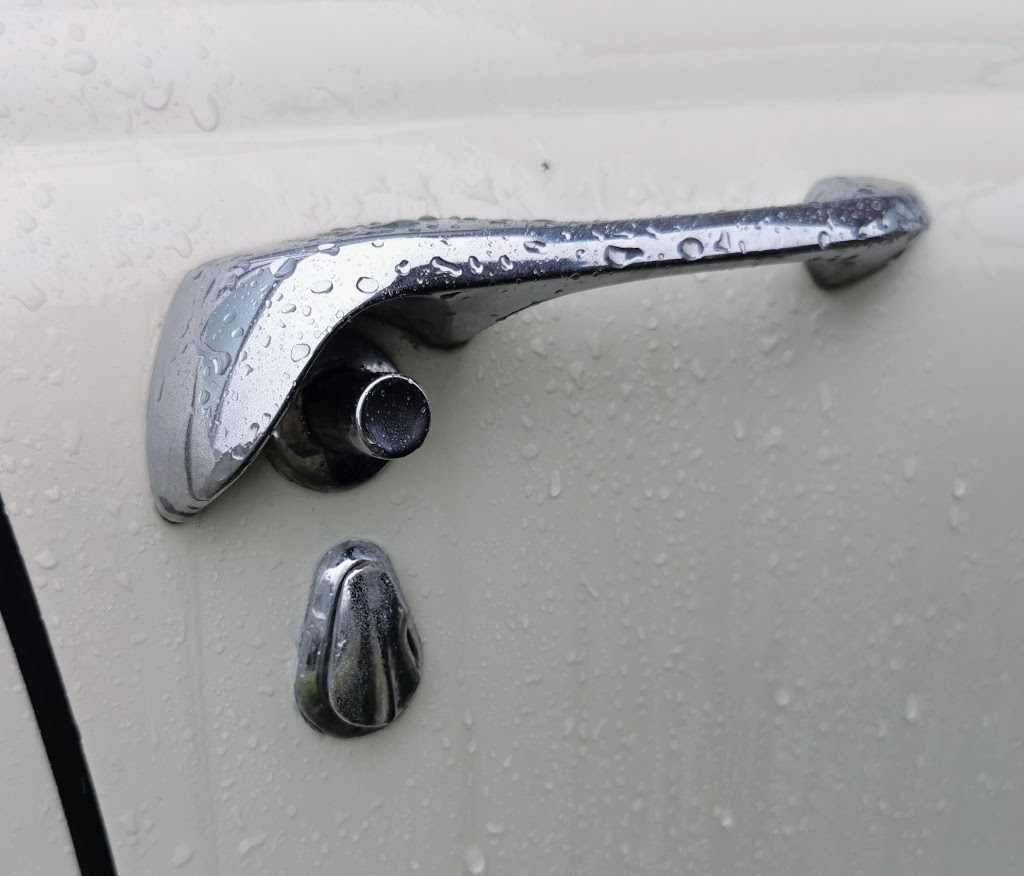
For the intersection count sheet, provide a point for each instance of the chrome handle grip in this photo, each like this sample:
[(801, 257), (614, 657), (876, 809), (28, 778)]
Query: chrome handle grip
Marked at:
[(242, 331)]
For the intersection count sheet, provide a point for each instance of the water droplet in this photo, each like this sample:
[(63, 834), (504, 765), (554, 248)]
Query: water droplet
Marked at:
[(181, 855), (206, 114), (909, 468), (911, 709), (445, 267), (530, 451), (725, 819), (281, 268), (475, 266), (620, 256), (783, 697), (772, 438), (181, 243), (46, 559), (300, 352), (555, 484), (221, 361), (691, 248), (367, 285), (824, 240), (474, 860), (535, 246), (959, 488), (156, 97), (505, 263), (321, 287), (80, 62), (42, 196), (31, 297), (403, 268), (26, 220), (249, 843)]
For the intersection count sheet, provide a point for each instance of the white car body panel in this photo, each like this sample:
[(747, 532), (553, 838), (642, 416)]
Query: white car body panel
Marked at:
[(713, 576)]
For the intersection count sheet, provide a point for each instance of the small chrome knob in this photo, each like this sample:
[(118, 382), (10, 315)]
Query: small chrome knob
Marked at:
[(386, 416), (353, 415)]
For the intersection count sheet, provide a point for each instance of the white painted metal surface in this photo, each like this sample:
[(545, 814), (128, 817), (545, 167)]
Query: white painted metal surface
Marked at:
[(35, 838), (731, 586)]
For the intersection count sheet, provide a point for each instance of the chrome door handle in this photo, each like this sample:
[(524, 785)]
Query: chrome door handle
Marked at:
[(243, 333)]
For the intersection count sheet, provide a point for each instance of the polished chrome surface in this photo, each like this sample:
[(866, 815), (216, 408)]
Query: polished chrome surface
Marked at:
[(242, 332), (359, 654), (385, 416), (350, 415)]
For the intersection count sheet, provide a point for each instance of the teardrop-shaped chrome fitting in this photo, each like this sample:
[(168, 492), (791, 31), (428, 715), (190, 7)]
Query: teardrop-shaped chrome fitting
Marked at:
[(359, 655)]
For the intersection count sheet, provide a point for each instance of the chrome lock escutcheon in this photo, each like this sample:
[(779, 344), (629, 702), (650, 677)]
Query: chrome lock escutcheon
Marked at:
[(359, 651)]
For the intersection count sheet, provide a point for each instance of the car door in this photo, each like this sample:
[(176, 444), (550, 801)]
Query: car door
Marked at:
[(713, 574), (35, 838)]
